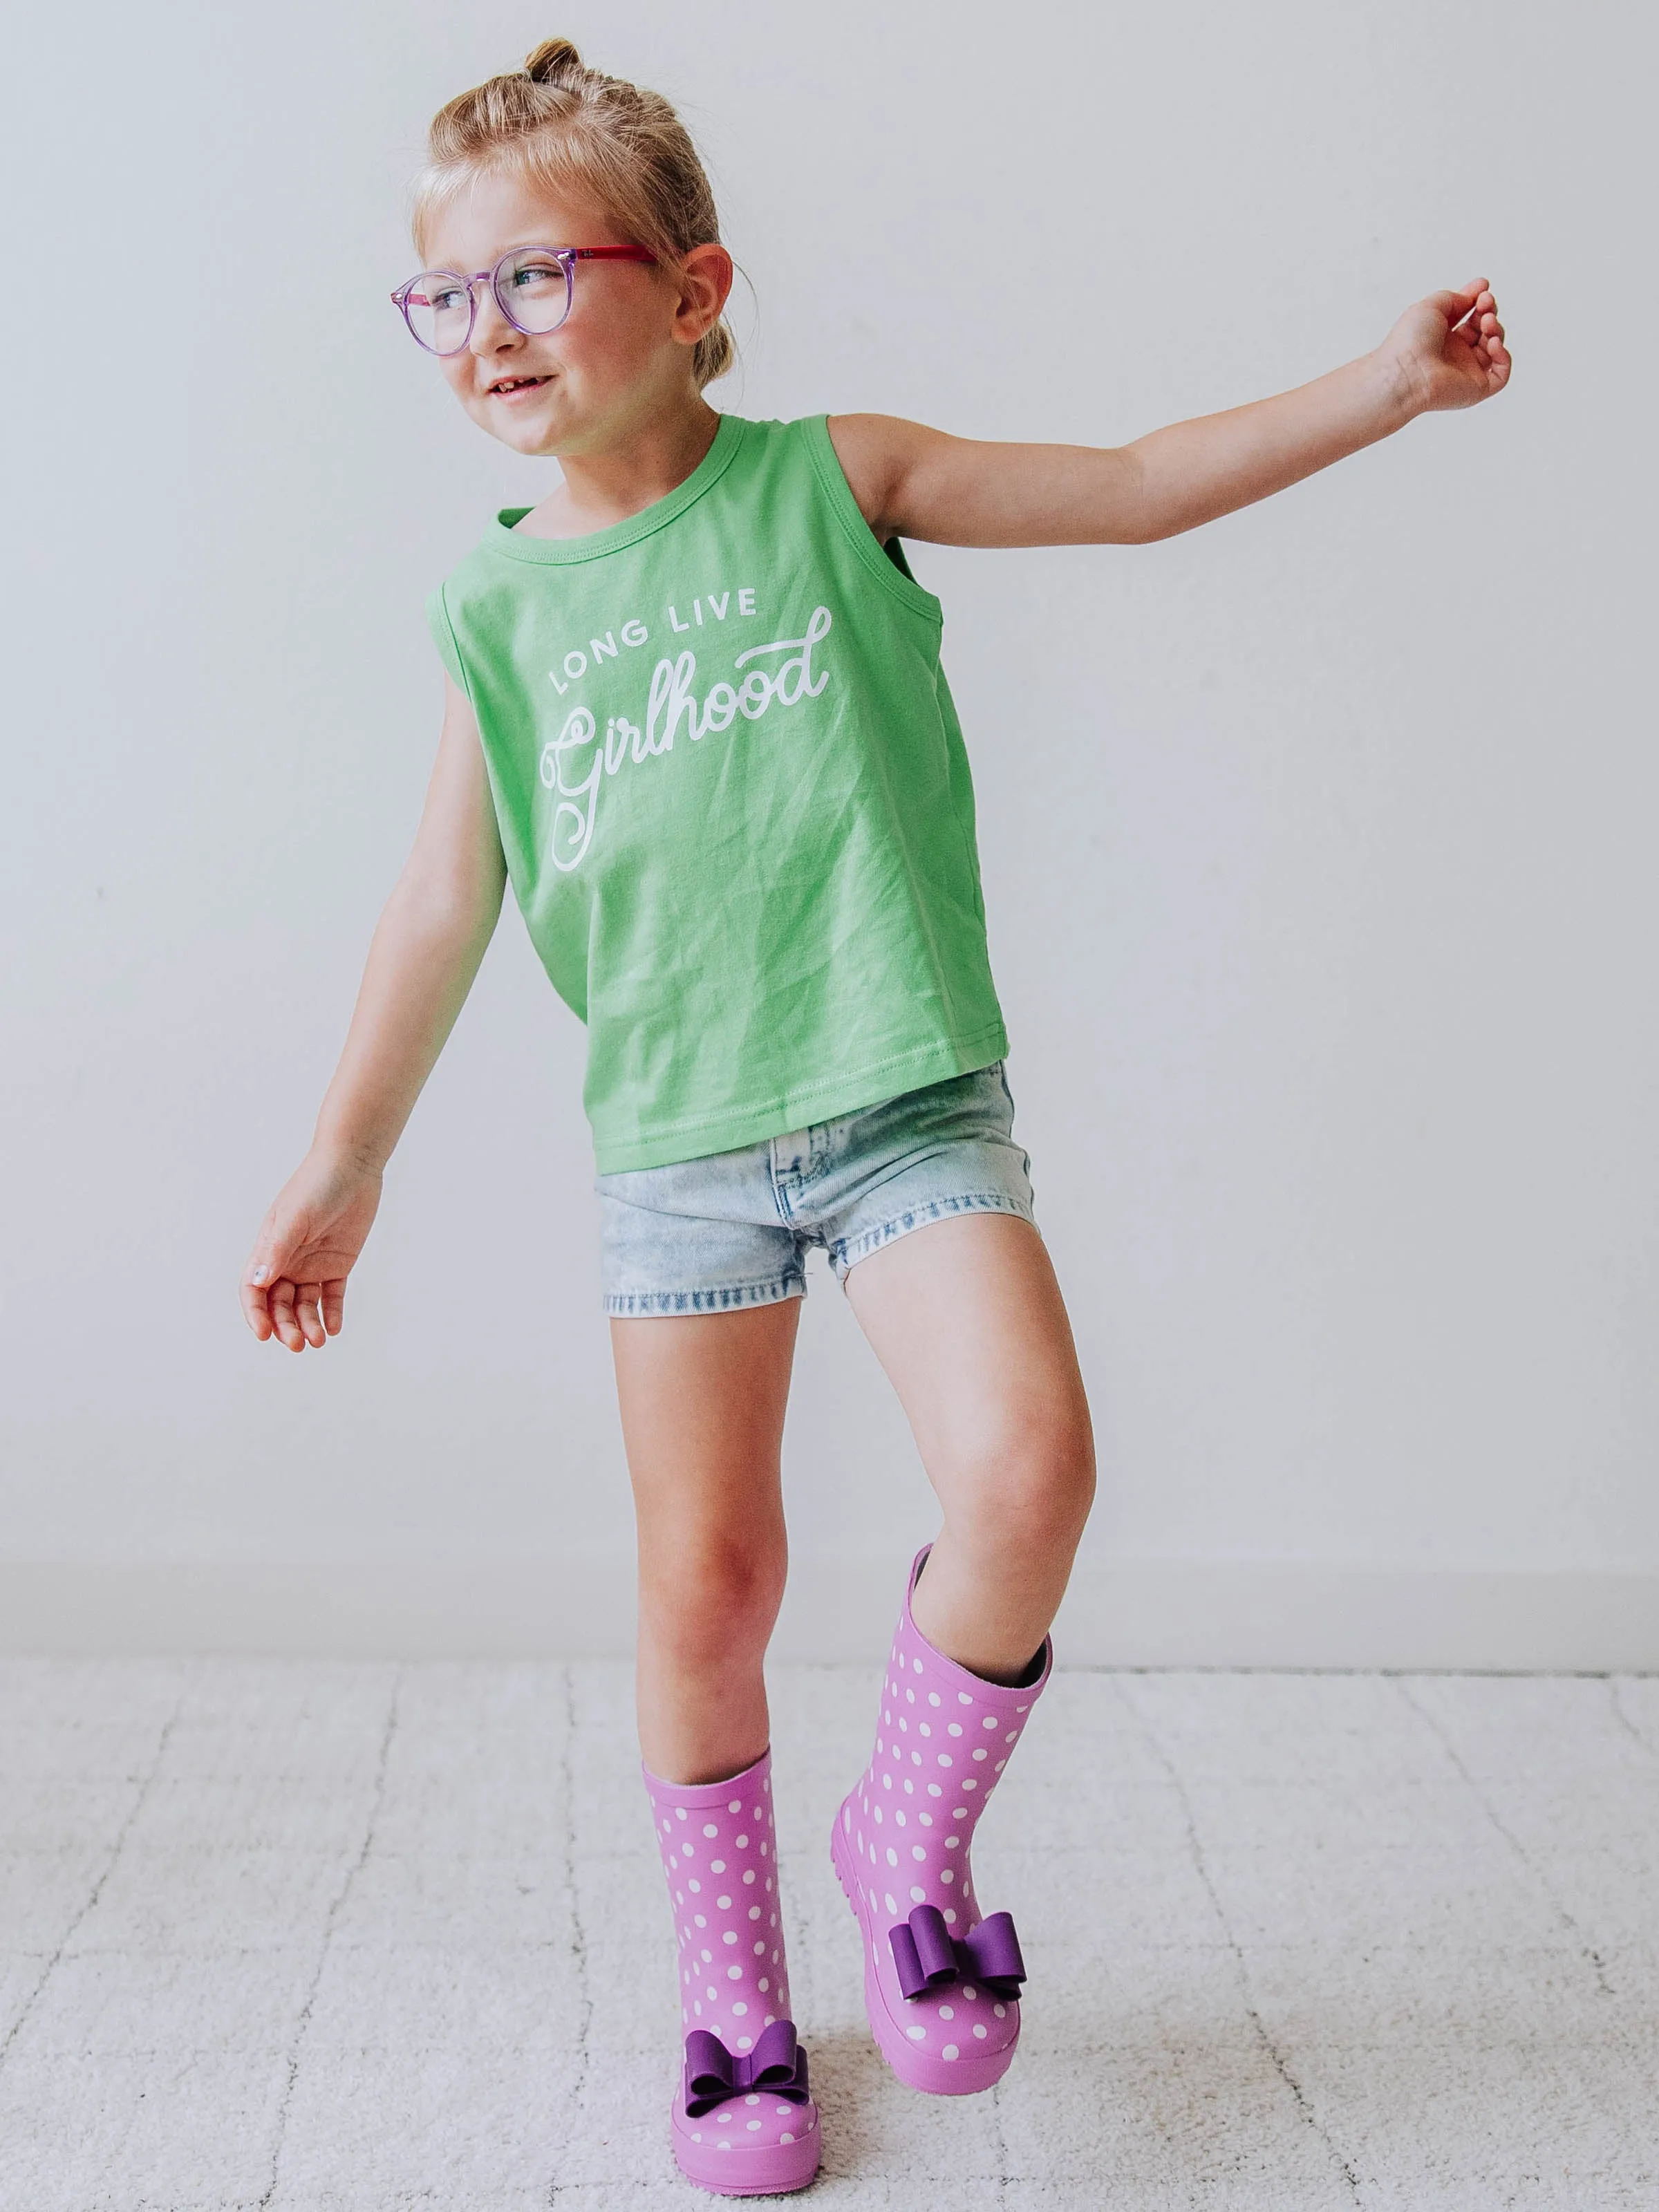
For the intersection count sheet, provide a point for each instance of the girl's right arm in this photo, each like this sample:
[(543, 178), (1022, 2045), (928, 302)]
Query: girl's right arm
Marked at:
[(425, 953)]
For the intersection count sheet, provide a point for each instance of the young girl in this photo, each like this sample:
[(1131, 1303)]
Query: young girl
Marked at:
[(695, 711)]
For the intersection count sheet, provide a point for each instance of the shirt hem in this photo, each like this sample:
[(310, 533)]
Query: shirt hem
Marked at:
[(804, 1103)]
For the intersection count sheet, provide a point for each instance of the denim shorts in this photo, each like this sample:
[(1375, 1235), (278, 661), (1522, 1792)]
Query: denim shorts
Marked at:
[(734, 1229)]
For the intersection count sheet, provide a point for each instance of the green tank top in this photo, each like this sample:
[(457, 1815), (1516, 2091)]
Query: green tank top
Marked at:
[(733, 799)]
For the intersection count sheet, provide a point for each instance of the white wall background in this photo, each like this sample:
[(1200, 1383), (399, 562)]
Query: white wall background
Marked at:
[(1317, 845)]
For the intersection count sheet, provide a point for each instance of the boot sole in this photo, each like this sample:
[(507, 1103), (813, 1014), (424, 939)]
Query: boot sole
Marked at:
[(918, 2069), (771, 2170)]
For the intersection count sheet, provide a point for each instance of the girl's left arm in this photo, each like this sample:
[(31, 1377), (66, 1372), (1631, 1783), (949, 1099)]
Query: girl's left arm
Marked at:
[(911, 481)]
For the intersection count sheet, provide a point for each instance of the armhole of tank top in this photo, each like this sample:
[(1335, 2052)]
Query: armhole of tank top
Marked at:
[(889, 566), (440, 599)]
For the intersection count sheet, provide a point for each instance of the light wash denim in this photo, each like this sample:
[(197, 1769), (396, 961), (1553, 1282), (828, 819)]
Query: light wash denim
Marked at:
[(734, 1229)]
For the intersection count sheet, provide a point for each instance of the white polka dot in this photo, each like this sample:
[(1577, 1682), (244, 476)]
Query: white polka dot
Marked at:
[(760, 1948), (989, 1721), (970, 1783), (739, 2009), (696, 1888), (916, 2034), (945, 1760), (980, 2029), (911, 1696), (946, 2012), (917, 1896), (960, 1813), (970, 1994), (752, 2099), (762, 1985), (946, 1874), (753, 2125), (734, 1974), (891, 1907), (736, 1805), (932, 1696), (963, 1698), (785, 2136), (679, 1812), (783, 2114), (730, 1936), (717, 1866), (950, 1842), (743, 2042), (743, 1844), (922, 1728), (949, 1918), (724, 1903), (892, 1856), (981, 1752), (685, 1849), (949, 2052), (708, 1960), (754, 1912), (899, 1820), (1001, 2011), (918, 1851), (933, 1789), (699, 1920), (696, 2005), (709, 1829), (926, 1818), (916, 1663), (750, 1874)]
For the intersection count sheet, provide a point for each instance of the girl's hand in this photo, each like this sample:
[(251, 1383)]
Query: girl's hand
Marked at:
[(293, 1285), (1448, 349)]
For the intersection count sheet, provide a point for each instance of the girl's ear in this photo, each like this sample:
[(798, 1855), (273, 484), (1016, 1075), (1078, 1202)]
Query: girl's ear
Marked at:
[(705, 286)]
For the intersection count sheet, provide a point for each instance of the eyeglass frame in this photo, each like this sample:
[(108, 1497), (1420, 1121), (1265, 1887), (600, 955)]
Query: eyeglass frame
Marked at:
[(565, 256)]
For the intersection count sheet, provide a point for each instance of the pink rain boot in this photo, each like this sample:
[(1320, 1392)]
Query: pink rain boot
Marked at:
[(941, 1982), (744, 2125)]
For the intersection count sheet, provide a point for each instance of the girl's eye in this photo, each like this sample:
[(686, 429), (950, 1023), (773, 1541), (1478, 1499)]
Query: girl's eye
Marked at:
[(446, 299), (537, 276)]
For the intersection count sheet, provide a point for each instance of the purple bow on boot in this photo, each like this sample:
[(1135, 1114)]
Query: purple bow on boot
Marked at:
[(927, 1956), (777, 2064)]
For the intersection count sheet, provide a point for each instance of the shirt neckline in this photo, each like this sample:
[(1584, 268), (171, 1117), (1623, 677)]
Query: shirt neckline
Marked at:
[(499, 536)]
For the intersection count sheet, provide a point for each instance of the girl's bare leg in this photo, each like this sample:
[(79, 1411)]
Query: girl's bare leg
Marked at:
[(967, 1318), (703, 1399)]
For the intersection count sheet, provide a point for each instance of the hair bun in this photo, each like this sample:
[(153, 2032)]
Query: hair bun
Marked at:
[(550, 60)]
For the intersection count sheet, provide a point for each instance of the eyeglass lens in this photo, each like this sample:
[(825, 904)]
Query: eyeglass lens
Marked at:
[(533, 290)]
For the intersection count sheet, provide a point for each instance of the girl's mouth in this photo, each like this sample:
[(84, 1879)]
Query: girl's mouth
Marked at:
[(513, 387)]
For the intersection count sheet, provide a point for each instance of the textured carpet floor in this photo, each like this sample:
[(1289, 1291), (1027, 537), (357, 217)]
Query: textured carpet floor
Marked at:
[(302, 1935)]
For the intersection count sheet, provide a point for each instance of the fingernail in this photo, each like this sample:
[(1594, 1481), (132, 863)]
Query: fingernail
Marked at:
[(258, 1274)]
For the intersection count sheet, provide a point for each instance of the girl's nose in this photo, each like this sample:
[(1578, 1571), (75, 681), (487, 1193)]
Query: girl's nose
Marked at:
[(490, 329)]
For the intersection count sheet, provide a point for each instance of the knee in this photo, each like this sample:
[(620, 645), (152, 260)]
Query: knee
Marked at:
[(1030, 1490), (707, 1600)]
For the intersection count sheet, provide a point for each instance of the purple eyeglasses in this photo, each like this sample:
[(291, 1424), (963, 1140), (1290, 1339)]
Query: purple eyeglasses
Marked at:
[(533, 287)]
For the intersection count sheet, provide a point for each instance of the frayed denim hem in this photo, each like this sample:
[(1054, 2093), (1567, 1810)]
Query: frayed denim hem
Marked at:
[(849, 1251), (635, 1304)]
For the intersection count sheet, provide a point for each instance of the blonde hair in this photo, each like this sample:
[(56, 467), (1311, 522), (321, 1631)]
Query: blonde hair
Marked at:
[(578, 132)]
